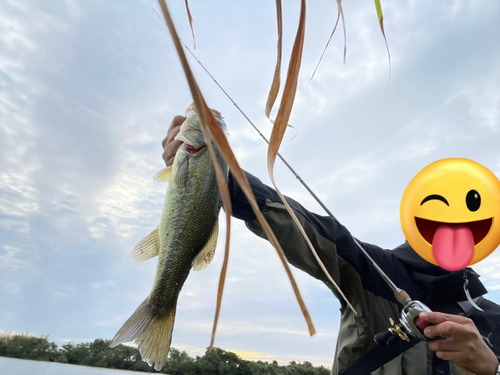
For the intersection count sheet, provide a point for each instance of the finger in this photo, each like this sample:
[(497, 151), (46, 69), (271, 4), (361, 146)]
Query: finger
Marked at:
[(169, 162), (176, 121), (445, 329), (448, 345), (450, 356), (172, 133), (437, 317), (170, 151)]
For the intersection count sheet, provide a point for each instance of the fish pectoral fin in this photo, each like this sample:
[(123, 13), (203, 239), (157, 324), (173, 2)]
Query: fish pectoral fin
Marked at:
[(206, 254), (163, 175), (148, 248), (182, 173)]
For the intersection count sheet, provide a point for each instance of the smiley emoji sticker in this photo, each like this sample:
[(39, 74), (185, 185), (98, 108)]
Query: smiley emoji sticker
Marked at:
[(450, 213)]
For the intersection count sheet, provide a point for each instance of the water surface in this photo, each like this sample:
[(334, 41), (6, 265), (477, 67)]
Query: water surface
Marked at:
[(15, 366)]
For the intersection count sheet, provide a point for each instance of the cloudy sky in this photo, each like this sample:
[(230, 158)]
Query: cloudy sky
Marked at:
[(88, 89)]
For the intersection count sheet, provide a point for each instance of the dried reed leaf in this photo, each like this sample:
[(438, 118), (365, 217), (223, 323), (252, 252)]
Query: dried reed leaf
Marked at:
[(209, 124), (289, 91), (226, 199), (326, 47), (340, 15), (341, 10), (279, 129), (275, 85), (191, 23), (381, 22)]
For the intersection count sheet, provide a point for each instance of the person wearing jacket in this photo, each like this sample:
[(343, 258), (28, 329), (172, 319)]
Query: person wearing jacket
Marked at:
[(468, 336)]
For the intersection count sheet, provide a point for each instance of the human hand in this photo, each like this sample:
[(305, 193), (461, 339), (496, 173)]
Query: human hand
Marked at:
[(169, 144), (462, 343)]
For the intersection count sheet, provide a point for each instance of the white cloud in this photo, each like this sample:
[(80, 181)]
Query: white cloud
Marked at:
[(484, 101), (87, 95)]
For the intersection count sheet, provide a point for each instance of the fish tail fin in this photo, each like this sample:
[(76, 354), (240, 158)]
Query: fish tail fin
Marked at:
[(151, 332)]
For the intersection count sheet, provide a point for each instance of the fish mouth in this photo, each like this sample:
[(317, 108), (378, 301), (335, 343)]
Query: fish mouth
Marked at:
[(479, 229), (192, 149)]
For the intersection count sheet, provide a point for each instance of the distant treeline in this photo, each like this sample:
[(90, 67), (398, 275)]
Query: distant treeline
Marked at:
[(98, 353)]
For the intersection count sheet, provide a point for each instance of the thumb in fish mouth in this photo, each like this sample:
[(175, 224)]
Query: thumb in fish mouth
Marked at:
[(453, 246)]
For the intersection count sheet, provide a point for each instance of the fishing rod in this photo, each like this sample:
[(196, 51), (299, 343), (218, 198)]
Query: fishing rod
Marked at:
[(410, 323)]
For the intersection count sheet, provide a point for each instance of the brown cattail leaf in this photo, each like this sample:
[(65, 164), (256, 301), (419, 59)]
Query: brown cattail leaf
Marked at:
[(279, 128), (381, 22), (289, 91), (223, 272), (340, 14), (275, 85), (191, 23), (226, 201), (210, 125), (240, 177), (341, 10), (326, 47)]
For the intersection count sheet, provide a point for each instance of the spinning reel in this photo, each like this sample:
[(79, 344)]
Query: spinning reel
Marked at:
[(410, 325)]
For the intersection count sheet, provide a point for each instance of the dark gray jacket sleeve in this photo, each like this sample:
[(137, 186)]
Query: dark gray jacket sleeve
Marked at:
[(332, 241), (362, 285)]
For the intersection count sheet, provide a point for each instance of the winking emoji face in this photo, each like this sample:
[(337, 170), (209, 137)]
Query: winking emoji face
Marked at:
[(450, 213)]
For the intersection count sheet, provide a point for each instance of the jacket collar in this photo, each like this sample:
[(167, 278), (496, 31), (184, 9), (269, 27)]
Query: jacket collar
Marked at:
[(434, 285)]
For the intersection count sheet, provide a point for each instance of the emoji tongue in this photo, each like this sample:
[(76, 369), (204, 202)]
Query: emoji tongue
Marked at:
[(453, 246)]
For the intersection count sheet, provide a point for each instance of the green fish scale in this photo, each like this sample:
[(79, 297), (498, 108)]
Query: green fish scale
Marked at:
[(189, 215)]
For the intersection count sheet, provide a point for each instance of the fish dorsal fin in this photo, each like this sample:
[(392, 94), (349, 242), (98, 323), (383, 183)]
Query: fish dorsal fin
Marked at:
[(163, 175), (148, 248), (206, 254)]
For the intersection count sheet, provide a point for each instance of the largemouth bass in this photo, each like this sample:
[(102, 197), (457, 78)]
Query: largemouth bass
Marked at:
[(186, 238)]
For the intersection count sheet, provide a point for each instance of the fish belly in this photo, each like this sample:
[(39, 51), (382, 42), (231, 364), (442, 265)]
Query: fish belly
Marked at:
[(190, 213)]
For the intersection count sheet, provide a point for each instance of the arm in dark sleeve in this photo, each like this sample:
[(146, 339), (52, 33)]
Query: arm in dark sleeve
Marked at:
[(332, 241)]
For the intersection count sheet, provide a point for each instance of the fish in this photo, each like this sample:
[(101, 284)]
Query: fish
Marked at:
[(185, 239)]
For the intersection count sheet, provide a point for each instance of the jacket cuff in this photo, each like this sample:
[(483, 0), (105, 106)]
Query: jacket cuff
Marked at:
[(241, 208)]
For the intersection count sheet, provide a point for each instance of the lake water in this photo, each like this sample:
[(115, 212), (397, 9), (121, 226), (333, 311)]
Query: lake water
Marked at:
[(14, 366)]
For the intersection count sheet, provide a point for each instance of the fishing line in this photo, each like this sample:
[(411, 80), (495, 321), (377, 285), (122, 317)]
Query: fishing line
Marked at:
[(410, 324), (296, 175), (397, 291), (400, 294)]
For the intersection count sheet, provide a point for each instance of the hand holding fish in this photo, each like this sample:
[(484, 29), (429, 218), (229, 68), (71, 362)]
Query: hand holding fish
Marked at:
[(170, 144), (462, 342)]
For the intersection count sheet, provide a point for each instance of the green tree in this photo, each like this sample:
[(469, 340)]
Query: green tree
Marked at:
[(62, 359), (98, 353), (29, 347), (4, 340), (78, 354), (123, 357), (140, 365), (217, 362), (180, 363), (246, 368)]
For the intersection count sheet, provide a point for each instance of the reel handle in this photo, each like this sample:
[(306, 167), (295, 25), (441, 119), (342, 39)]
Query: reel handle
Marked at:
[(383, 337), (386, 337)]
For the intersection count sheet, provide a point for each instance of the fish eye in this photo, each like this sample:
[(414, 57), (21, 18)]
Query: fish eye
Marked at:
[(473, 200)]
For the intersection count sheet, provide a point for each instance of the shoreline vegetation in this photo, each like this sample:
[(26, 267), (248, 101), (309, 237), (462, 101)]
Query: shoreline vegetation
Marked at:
[(98, 354)]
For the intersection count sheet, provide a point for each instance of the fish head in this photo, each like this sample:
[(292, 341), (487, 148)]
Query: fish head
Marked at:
[(191, 132)]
